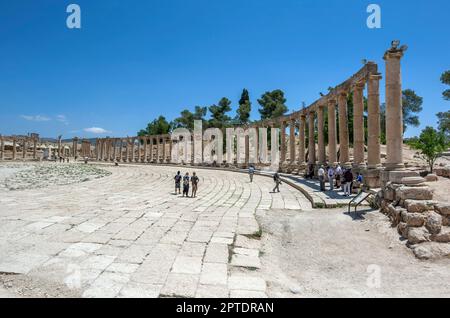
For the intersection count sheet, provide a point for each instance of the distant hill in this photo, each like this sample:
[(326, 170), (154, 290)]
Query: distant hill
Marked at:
[(54, 140)]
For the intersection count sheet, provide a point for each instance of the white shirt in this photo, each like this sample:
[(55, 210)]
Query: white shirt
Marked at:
[(321, 172)]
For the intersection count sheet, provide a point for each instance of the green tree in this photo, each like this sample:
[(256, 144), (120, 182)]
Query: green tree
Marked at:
[(444, 122), (245, 106), (445, 79), (431, 144), (186, 120), (272, 104), (412, 105), (159, 126), (219, 117)]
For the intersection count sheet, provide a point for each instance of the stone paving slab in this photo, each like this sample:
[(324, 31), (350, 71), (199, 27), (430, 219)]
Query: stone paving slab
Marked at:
[(128, 235)]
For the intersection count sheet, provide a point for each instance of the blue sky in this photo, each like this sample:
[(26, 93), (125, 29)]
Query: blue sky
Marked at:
[(134, 60)]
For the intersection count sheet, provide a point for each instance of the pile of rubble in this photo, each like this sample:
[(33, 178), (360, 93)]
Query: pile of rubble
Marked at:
[(423, 222), (443, 171)]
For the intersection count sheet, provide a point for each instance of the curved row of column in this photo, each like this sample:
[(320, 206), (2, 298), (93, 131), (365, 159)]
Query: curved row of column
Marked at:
[(310, 124), (156, 149)]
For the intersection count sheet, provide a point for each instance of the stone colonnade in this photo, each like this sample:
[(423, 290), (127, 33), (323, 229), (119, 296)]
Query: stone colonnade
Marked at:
[(155, 149), (330, 109), (18, 148)]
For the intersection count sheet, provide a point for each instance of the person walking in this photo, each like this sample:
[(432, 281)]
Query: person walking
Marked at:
[(186, 185), (277, 180), (194, 181), (338, 173), (321, 174), (331, 177), (348, 179), (177, 179), (251, 172)]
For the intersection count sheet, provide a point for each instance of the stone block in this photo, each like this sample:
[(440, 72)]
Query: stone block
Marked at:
[(414, 193), (418, 235), (413, 181), (442, 208), (419, 206), (433, 222), (431, 178), (413, 219), (443, 236)]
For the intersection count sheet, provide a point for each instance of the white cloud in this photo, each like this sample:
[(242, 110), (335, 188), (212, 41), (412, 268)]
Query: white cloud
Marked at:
[(63, 119), (35, 118), (96, 130)]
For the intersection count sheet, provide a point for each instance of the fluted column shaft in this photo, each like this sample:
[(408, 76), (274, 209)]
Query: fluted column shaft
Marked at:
[(283, 142), (292, 141), (332, 131), (358, 125), (301, 143), (321, 137), (394, 114), (344, 156), (311, 140), (373, 125)]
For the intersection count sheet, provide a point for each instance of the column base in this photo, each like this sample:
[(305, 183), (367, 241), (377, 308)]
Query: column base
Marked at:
[(372, 178), (394, 166)]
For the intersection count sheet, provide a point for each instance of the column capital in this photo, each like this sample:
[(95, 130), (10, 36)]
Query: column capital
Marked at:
[(359, 86), (343, 93), (375, 77), (332, 102), (393, 54)]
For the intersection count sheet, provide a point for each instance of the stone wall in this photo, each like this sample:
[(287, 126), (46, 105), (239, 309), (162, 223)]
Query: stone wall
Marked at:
[(420, 220)]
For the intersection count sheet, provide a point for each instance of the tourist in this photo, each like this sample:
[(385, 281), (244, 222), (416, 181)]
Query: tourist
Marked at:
[(338, 173), (347, 182), (277, 180), (177, 179), (186, 185), (251, 172), (194, 181), (321, 174), (331, 177), (357, 184)]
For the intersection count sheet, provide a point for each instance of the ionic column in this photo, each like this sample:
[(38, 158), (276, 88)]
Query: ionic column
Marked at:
[(59, 147), (332, 132), (247, 149), (127, 150), (114, 149), (2, 148), (14, 149), (292, 141), (344, 157), (34, 148), (301, 143), (97, 149), (321, 137), (311, 140), (170, 149), (133, 141), (283, 142), (24, 150), (145, 139), (138, 159), (164, 150), (151, 149), (121, 150), (157, 149), (358, 126), (373, 125), (394, 115)]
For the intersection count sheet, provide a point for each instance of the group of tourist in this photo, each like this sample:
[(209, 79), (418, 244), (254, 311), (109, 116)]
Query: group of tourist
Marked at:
[(338, 177), (186, 180)]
